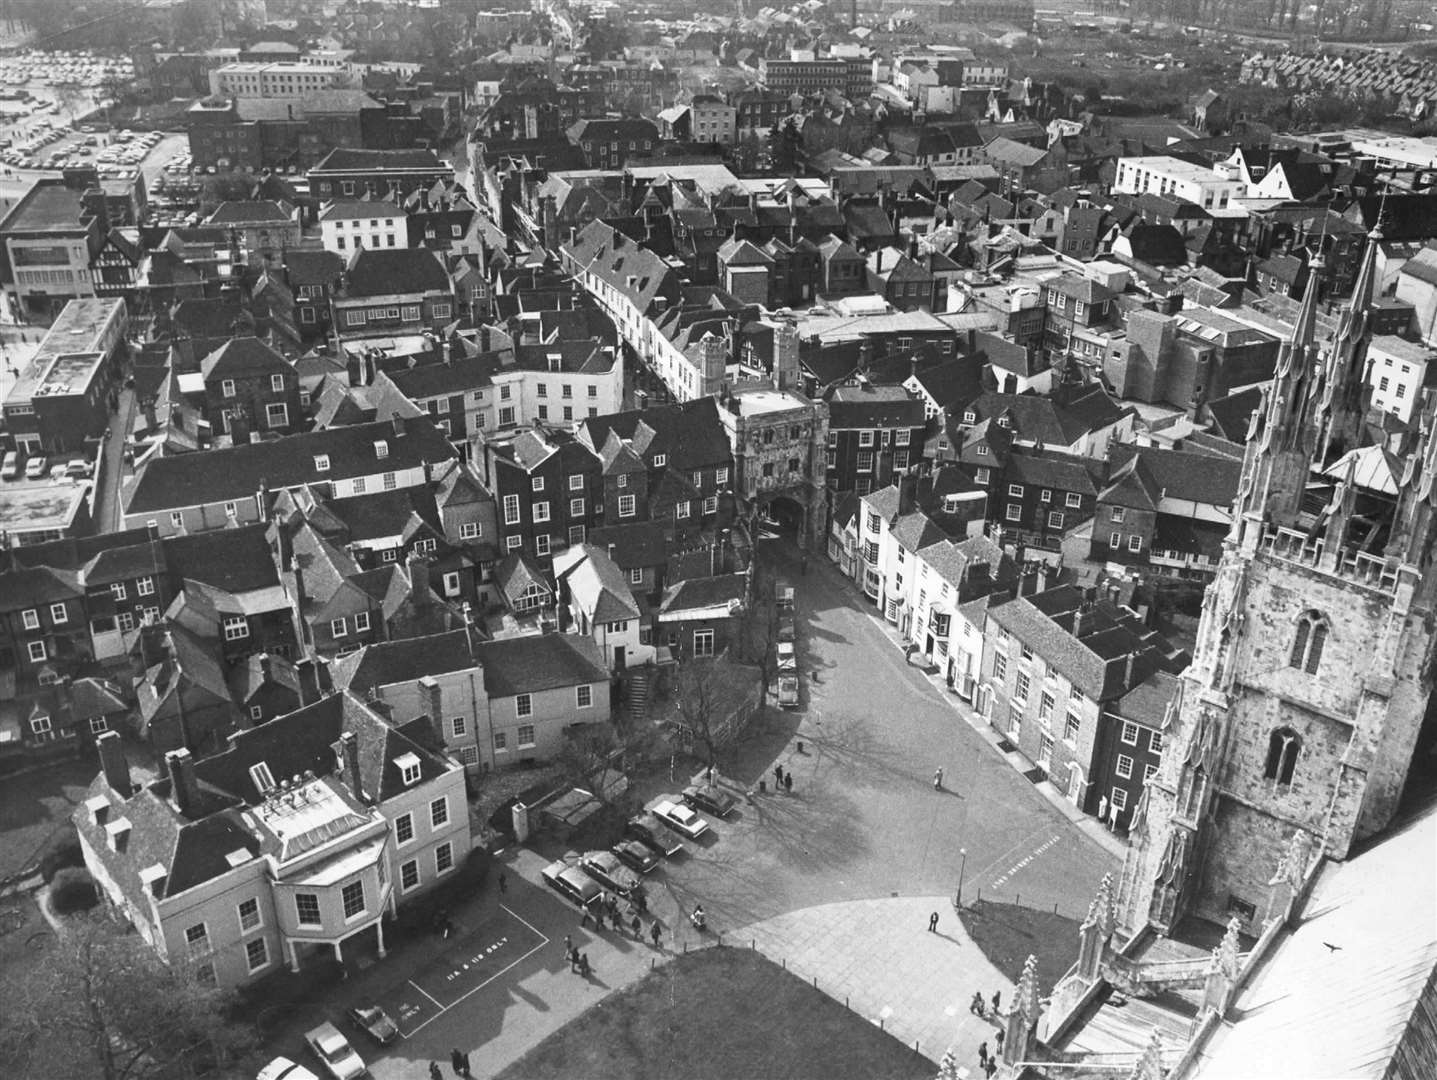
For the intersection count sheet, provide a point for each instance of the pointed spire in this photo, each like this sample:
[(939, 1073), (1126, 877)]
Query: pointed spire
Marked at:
[(1150, 1065), (1226, 955), (1025, 999)]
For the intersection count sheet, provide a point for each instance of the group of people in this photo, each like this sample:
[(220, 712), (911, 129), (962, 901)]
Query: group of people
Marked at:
[(988, 1062), (782, 781), (458, 1059)]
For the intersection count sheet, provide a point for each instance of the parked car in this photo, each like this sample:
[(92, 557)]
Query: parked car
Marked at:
[(711, 798), (787, 658), (334, 1052), (605, 868), (35, 467), (80, 469), (11, 469), (784, 596), (634, 855), (682, 819), (645, 828), (570, 882), (281, 1068), (787, 628), (374, 1022), (788, 690)]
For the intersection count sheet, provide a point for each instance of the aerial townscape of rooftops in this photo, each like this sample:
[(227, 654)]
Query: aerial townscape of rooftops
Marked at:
[(839, 540)]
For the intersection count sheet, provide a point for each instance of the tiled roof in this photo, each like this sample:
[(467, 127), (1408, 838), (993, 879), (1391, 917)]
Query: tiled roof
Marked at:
[(696, 593), (1179, 474), (243, 356), (632, 546), (348, 159), (527, 665), (244, 213), (388, 662), (236, 472), (690, 435), (596, 583), (872, 407), (390, 271)]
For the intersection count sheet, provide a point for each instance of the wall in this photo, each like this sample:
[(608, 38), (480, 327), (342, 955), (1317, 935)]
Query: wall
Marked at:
[(553, 711)]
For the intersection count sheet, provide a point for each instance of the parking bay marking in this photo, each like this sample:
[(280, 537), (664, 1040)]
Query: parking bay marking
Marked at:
[(468, 965), (1025, 860)]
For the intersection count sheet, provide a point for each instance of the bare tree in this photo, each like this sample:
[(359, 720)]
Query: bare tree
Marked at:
[(588, 752), (697, 698), (103, 1004), (758, 625)]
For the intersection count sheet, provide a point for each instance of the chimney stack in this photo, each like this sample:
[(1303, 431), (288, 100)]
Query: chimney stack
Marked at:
[(346, 752), (434, 702), (398, 422), (184, 785), (265, 666), (419, 590), (114, 764), (1128, 672)]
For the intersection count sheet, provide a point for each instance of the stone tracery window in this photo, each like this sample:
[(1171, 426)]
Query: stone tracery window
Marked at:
[(1307, 643)]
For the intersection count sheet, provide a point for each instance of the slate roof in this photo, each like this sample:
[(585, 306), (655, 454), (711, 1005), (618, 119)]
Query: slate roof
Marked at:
[(28, 587), (528, 665), (388, 662), (634, 545), (1200, 478), (244, 356), (390, 271), (690, 434), (447, 378), (953, 382), (240, 212), (1060, 472), (350, 159), (1043, 420), (851, 407), (236, 472), (696, 593)]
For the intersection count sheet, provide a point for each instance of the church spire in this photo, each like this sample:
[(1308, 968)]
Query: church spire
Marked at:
[(1345, 394)]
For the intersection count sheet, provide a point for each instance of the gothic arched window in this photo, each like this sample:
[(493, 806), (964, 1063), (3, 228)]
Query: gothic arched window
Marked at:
[(1308, 641), (1282, 748)]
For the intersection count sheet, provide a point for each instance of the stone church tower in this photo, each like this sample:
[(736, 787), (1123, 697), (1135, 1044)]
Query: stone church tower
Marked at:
[(1310, 678)]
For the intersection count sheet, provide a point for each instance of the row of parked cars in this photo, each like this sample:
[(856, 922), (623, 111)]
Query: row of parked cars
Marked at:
[(657, 833), (336, 1054), (35, 467)]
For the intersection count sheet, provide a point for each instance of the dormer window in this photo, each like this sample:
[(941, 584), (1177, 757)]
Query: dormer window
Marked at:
[(970, 417), (321, 463), (660, 460), (227, 388), (261, 776), (409, 768), (381, 448), (1003, 421)]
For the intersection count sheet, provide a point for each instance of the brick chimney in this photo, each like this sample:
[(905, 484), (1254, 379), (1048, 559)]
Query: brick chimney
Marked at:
[(434, 702), (184, 785), (346, 753), (419, 589), (114, 764)]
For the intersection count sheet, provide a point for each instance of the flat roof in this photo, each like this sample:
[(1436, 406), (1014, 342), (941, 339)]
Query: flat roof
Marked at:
[(80, 326), (46, 207), (759, 401), (40, 507), (1176, 167)]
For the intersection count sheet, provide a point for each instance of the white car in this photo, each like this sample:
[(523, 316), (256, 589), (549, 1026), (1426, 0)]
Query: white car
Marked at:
[(787, 659), (684, 820), (334, 1052), (281, 1068)]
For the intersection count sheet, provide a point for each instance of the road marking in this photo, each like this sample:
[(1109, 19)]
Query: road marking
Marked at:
[(426, 993), (457, 1001), (1025, 860), (1010, 852)]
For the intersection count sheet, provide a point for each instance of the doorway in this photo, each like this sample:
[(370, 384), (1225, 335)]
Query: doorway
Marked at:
[(619, 658)]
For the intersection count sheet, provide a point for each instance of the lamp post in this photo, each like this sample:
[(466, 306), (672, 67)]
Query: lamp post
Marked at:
[(962, 865)]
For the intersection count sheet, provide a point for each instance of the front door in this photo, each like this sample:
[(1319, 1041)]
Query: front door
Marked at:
[(618, 658), (1075, 784), (928, 648)]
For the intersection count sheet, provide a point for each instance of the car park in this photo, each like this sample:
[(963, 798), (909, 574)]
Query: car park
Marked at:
[(635, 855), (645, 828), (35, 467), (374, 1022), (605, 868), (711, 798), (339, 1059), (566, 879), (281, 1068), (683, 819)]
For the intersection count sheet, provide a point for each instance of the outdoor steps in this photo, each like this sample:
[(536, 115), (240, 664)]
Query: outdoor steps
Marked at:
[(638, 695)]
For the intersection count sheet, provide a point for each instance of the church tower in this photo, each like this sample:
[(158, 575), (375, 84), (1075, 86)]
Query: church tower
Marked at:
[(1311, 673)]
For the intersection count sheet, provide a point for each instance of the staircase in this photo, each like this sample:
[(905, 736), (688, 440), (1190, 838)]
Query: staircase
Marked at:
[(639, 686)]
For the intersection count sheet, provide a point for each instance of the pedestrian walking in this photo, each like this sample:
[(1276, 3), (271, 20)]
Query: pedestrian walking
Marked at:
[(788, 782), (503, 882), (583, 915), (435, 1073), (568, 944), (458, 1062), (976, 1005), (997, 997), (1000, 1040), (990, 1068), (983, 1054), (617, 919), (584, 968), (654, 933), (933, 923), (777, 776), (938, 780)]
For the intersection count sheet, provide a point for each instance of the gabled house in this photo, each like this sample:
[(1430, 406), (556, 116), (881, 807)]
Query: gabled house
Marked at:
[(385, 292), (875, 434), (601, 604), (700, 617), (248, 388)]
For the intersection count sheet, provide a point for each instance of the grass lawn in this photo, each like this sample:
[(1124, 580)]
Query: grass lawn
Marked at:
[(1008, 934), (720, 1013)]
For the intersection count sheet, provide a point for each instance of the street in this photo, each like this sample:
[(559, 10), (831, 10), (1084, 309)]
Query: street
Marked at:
[(835, 880)]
